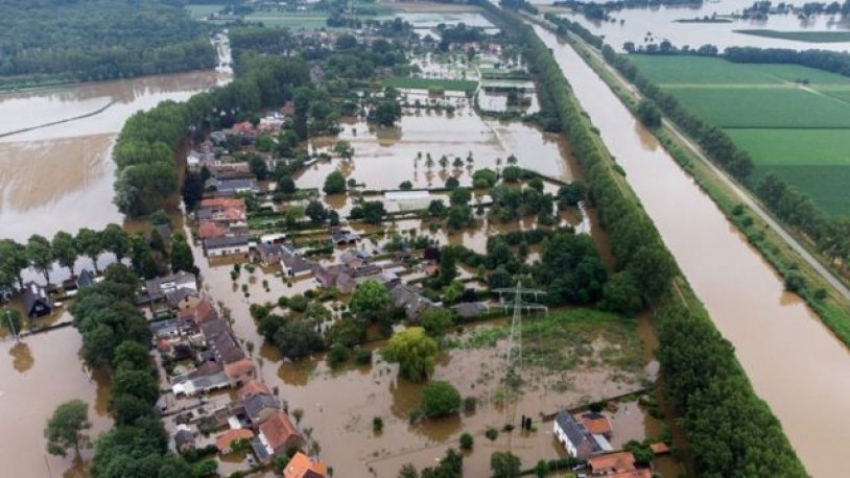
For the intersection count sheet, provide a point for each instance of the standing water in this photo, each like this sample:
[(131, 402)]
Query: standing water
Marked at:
[(795, 364)]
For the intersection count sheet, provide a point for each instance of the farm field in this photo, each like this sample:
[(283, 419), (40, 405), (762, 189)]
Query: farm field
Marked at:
[(804, 36), (798, 132)]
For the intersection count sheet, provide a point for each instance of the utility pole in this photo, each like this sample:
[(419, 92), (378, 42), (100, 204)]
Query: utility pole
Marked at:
[(513, 359), (12, 326)]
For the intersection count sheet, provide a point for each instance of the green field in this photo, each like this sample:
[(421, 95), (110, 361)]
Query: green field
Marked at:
[(800, 133), (426, 83), (764, 107), (201, 12), (804, 36)]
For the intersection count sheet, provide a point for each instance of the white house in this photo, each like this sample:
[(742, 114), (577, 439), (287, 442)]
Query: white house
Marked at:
[(227, 245), (575, 437)]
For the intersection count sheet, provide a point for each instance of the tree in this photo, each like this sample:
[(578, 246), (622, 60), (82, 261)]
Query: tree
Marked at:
[(437, 321), (408, 471), (115, 240), (89, 244), (66, 428), (436, 208), (648, 113), (65, 250), (298, 338), (439, 399), (285, 184), (405, 186), (466, 441), (415, 352), (40, 255), (160, 218), (621, 295), (452, 182), (541, 470), (371, 301), (505, 465), (258, 167), (181, 255), (334, 183), (344, 149), (13, 260), (316, 212), (386, 113)]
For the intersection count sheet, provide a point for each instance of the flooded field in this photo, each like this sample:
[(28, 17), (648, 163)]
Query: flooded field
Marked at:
[(36, 376), (386, 157), (659, 24), (60, 177), (743, 294)]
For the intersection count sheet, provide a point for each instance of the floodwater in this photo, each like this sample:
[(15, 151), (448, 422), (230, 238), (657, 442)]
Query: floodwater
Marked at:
[(385, 157), (60, 177), (795, 364), (36, 376), (659, 23)]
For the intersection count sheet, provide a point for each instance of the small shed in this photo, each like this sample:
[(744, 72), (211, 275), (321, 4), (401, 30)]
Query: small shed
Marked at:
[(37, 302)]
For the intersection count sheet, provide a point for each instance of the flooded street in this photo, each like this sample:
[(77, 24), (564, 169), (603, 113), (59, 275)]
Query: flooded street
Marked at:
[(793, 361), (60, 177), (659, 24), (35, 377)]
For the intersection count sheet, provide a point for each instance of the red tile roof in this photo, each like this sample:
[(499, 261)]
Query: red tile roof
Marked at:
[(253, 387), (278, 430), (301, 466), (223, 203), (201, 313), (239, 368), (617, 462), (597, 424), (209, 229), (225, 439), (637, 473)]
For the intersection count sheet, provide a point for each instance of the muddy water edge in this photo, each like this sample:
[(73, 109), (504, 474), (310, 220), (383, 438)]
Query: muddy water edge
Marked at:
[(793, 361)]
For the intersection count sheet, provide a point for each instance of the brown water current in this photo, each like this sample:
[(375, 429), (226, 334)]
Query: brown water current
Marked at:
[(795, 364)]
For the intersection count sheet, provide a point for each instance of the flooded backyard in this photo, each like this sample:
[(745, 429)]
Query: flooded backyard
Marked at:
[(743, 294)]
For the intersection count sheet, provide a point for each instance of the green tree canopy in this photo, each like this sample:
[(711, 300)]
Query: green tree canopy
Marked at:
[(90, 244), (40, 255), (13, 260), (115, 240), (505, 464), (66, 428), (437, 321), (181, 255), (65, 250), (415, 352), (440, 398), (370, 301), (334, 183)]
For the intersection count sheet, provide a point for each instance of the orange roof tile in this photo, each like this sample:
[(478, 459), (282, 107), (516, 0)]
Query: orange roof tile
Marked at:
[(222, 203), (239, 368), (278, 430), (253, 387), (301, 466), (660, 448), (619, 461), (597, 424), (201, 313), (636, 473), (225, 439), (209, 229)]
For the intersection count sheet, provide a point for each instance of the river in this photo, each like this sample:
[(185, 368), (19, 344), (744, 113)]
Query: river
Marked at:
[(795, 364), (658, 23)]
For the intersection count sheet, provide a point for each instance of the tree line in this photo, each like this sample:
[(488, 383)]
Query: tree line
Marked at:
[(149, 256), (116, 337), (702, 377), (100, 39)]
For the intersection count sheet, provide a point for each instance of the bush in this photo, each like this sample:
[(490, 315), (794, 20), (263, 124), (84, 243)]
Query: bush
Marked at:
[(440, 399), (363, 357), (298, 303), (470, 404), (466, 441), (338, 355), (491, 434), (377, 424)]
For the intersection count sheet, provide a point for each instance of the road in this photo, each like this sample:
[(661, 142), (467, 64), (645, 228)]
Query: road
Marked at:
[(743, 195)]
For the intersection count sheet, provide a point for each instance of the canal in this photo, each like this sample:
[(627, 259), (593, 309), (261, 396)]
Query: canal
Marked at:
[(795, 364)]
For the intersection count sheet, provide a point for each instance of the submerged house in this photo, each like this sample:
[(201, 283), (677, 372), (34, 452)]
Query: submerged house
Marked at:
[(37, 302), (576, 438)]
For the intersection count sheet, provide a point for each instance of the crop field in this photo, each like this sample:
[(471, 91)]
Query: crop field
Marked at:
[(804, 36), (801, 133)]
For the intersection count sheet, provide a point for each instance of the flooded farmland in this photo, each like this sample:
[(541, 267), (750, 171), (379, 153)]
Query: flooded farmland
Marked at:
[(795, 364), (60, 177)]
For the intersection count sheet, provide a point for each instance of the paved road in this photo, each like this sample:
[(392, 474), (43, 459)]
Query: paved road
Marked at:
[(739, 191)]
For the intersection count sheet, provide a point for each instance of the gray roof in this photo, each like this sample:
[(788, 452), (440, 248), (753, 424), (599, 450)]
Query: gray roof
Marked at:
[(174, 298), (255, 404), (296, 264), (183, 437), (576, 432), (260, 449), (470, 309), (36, 296), (213, 328), (227, 349), (227, 241), (86, 278), (205, 213), (232, 184), (159, 286)]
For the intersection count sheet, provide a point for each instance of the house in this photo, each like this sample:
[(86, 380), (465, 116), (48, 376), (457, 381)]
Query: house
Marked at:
[(201, 313), (207, 229), (85, 278), (253, 387), (184, 439), (367, 270), (37, 302), (261, 407), (344, 236), (268, 254), (409, 299), (225, 348), (218, 137), (240, 371), (235, 186), (278, 435), (224, 442), (468, 310), (202, 384), (301, 466), (353, 257), (295, 266), (227, 246), (578, 442), (182, 299), (327, 276), (636, 473), (597, 424), (345, 284), (620, 463), (164, 232), (157, 288)]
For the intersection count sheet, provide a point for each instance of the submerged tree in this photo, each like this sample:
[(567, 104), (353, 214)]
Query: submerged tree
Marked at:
[(65, 428), (415, 352)]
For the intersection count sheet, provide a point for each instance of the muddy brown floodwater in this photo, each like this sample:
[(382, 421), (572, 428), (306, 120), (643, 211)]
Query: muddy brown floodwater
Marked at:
[(795, 364), (60, 177), (36, 376)]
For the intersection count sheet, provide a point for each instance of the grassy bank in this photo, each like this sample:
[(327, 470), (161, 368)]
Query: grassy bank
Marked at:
[(804, 36), (833, 309)]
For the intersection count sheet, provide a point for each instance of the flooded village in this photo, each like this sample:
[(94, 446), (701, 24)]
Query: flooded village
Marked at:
[(379, 261)]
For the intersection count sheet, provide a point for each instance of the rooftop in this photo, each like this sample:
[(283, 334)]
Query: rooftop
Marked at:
[(224, 440), (278, 430), (301, 466)]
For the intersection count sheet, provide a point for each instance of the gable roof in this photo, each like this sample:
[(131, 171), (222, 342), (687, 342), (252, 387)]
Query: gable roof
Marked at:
[(226, 348), (208, 229), (85, 278), (36, 294), (596, 423), (223, 203), (253, 387), (173, 299), (227, 241), (224, 440), (183, 437), (255, 404), (301, 466), (278, 430), (576, 432), (200, 314), (617, 462), (239, 368)]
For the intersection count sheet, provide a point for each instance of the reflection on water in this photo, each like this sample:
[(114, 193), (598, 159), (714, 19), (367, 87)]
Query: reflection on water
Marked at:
[(774, 338), (22, 359)]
